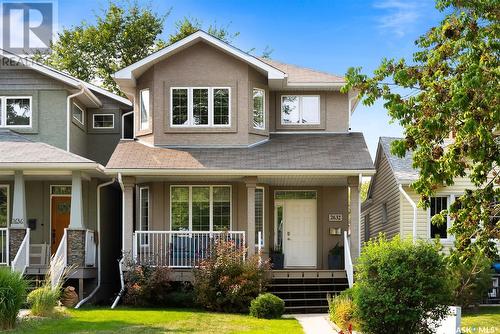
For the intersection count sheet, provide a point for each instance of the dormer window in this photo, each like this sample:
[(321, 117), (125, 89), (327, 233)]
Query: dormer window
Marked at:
[(200, 106), (300, 110), (144, 109)]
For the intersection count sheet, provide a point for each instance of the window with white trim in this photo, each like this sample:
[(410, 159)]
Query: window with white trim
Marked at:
[(200, 106), (78, 114), (200, 208), (259, 114), (438, 204), (259, 215), (104, 121), (15, 111), (144, 208), (144, 109), (300, 109), (4, 205)]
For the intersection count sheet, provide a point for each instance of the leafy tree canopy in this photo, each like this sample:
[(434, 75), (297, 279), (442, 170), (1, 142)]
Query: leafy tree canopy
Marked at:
[(454, 78)]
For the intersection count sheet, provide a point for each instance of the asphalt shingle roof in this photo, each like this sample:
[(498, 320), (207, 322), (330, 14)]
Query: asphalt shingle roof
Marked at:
[(282, 152), (401, 167), (16, 149), (299, 74)]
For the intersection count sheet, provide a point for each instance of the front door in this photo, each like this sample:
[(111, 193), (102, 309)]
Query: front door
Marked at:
[(61, 208), (299, 216)]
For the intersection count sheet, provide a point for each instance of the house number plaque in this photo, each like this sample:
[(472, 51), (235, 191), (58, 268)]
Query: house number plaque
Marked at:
[(334, 217)]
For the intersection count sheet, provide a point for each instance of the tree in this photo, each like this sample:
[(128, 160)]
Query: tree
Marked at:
[(454, 80), (120, 37), (363, 190), (188, 26)]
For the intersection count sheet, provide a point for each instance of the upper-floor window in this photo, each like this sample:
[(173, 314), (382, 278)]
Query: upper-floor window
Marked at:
[(200, 106), (78, 114), (144, 109), (15, 111), (438, 204), (300, 109), (258, 108), (104, 121)]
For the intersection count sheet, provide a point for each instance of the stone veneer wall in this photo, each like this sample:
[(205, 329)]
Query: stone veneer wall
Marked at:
[(16, 236), (76, 248)]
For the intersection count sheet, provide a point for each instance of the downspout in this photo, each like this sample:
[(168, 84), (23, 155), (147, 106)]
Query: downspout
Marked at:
[(99, 187), (123, 124), (414, 206), (68, 114), (120, 262)]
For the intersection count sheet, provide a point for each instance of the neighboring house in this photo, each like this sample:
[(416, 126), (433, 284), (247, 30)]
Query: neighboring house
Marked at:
[(56, 132), (229, 142), (391, 204)]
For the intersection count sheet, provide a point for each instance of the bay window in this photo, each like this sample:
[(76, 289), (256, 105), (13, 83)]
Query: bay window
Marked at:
[(300, 109), (258, 108), (200, 208), (200, 106), (15, 111)]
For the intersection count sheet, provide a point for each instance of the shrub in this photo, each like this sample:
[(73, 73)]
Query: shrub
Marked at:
[(12, 296), (470, 280), (401, 287), (224, 282), (342, 311), (267, 306), (147, 286), (43, 300)]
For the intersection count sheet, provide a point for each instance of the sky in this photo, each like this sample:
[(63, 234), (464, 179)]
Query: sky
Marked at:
[(327, 35)]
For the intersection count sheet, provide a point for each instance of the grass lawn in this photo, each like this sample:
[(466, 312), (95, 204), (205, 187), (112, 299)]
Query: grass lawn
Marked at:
[(484, 317), (126, 320)]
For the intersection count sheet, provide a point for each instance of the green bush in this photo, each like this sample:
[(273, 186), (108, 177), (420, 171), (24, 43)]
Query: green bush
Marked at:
[(342, 311), (43, 300), (470, 279), (267, 306), (147, 286), (401, 287), (12, 296), (224, 282)]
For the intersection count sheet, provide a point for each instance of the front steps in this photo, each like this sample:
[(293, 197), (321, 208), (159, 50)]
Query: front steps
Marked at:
[(305, 291)]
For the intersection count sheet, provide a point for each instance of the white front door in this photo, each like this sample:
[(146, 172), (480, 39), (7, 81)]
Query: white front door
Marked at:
[(299, 235)]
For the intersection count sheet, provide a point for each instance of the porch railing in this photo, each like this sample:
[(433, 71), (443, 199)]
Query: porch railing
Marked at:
[(22, 259), (90, 248), (59, 261), (348, 260), (179, 249), (4, 246)]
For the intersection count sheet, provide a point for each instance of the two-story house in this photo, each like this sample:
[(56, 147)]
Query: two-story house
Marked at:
[(225, 141), (56, 133)]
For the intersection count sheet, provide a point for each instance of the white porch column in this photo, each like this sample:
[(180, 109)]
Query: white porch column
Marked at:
[(251, 183), (19, 203), (127, 184), (76, 217), (355, 214)]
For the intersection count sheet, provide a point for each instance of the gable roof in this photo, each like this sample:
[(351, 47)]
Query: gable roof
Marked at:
[(402, 168), (300, 153), (17, 151), (126, 76), (65, 78)]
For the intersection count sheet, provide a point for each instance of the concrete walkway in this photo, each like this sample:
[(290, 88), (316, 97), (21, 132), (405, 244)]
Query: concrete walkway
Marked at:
[(315, 323)]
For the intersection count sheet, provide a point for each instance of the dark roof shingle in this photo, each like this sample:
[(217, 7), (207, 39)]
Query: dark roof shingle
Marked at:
[(402, 168)]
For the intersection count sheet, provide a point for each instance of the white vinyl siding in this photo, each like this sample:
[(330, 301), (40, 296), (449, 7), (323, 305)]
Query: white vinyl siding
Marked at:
[(16, 111)]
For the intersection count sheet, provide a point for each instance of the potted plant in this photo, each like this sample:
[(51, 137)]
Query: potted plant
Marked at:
[(335, 257), (277, 257)]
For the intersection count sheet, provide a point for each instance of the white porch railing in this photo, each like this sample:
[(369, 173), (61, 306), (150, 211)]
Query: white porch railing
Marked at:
[(59, 261), (4, 246), (179, 249), (90, 248), (22, 259), (348, 261)]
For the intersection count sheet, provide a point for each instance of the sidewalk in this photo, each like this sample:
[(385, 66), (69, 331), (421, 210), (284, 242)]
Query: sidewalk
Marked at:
[(314, 323)]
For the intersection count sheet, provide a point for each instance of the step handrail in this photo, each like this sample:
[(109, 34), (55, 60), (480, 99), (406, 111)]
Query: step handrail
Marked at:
[(59, 261), (22, 259)]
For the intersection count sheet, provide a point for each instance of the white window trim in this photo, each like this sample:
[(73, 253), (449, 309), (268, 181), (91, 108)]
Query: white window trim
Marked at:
[(6, 186), (263, 110), (211, 229), (449, 200), (102, 127), (190, 108), (3, 112), (300, 110), (141, 123), (82, 122), (263, 217)]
